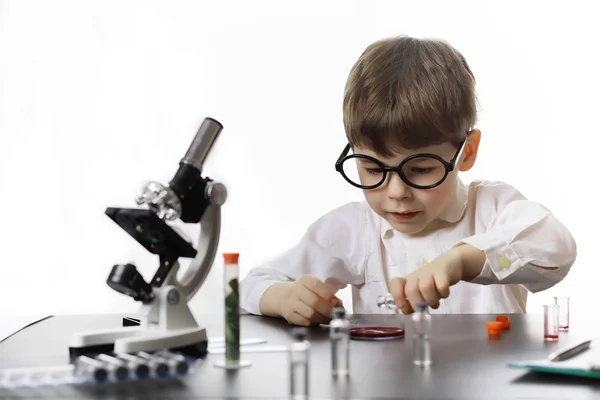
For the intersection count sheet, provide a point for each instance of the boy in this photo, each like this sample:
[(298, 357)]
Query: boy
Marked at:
[(409, 111)]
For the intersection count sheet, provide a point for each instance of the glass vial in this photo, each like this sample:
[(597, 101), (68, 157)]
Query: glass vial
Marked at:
[(339, 334), (563, 312), (551, 322), (299, 364), (421, 320), (386, 301)]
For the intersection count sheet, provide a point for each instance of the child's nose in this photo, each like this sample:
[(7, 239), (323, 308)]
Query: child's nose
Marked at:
[(396, 188)]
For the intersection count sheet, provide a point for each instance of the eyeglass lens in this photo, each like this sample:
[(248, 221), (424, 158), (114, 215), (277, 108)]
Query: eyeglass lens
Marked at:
[(420, 171)]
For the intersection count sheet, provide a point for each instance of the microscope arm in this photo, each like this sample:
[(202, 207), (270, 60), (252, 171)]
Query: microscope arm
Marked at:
[(208, 242)]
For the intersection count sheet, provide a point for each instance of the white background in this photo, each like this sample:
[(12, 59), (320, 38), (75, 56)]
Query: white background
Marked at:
[(96, 97)]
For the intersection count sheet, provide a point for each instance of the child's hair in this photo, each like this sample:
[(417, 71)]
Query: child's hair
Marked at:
[(408, 93)]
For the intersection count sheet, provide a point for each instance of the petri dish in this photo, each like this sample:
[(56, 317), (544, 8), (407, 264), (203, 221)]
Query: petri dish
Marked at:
[(376, 333)]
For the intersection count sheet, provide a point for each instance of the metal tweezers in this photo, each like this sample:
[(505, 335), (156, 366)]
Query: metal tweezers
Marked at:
[(570, 352)]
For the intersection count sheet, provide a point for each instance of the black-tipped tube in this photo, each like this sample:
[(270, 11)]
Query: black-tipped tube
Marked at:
[(157, 364), (118, 368), (138, 365), (90, 368), (176, 361)]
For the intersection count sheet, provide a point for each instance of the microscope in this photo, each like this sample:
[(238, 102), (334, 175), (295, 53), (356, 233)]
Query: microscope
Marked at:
[(165, 320)]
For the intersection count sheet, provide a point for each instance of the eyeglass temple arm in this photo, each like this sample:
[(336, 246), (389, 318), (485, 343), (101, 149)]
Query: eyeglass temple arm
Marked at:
[(343, 154), (460, 150)]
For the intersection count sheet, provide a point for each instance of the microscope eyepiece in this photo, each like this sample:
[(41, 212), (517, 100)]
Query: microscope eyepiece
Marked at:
[(202, 143)]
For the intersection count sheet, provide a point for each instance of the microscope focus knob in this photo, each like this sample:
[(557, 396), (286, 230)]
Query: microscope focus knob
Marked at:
[(125, 279), (216, 193)]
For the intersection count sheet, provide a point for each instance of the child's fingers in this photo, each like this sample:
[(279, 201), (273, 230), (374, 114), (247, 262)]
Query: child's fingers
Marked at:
[(318, 319), (428, 291), (298, 319), (413, 292), (314, 302), (308, 312), (442, 285), (337, 302), (396, 287), (319, 288), (407, 309), (290, 312)]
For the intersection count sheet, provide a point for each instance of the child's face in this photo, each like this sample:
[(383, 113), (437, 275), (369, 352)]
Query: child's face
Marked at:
[(407, 209)]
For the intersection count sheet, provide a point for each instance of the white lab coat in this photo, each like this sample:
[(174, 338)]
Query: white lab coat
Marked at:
[(352, 245)]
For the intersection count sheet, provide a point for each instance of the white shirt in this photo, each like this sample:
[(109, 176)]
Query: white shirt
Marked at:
[(352, 245)]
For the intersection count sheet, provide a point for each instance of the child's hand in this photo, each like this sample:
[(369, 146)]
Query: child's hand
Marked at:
[(429, 283), (308, 301)]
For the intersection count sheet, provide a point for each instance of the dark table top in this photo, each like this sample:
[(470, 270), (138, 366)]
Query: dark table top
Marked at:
[(466, 363)]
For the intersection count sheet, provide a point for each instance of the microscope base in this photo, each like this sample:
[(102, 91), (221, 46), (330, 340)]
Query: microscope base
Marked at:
[(166, 323), (192, 341)]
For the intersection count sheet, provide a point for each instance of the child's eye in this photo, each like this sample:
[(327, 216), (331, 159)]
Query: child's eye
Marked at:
[(374, 171), (423, 170)]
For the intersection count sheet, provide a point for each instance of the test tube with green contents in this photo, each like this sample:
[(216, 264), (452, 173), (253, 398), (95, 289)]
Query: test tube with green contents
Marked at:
[(232, 314)]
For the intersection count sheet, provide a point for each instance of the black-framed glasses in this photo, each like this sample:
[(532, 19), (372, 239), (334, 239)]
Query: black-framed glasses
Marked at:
[(421, 171)]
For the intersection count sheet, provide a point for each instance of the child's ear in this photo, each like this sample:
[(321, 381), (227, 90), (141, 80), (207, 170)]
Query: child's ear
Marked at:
[(470, 152)]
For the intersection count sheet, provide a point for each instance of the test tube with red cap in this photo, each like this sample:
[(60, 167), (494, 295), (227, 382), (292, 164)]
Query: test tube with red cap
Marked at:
[(231, 273)]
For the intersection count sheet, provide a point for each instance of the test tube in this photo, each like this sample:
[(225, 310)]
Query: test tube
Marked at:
[(551, 322), (563, 312), (176, 361), (156, 364), (91, 369), (37, 376), (62, 374), (299, 364), (232, 314), (116, 368), (136, 364), (15, 378)]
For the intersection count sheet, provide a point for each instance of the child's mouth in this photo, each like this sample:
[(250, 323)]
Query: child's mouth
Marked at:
[(405, 216)]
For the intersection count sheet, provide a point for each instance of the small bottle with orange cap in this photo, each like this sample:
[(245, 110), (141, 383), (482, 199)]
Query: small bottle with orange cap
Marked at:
[(495, 327), (504, 320), (231, 275)]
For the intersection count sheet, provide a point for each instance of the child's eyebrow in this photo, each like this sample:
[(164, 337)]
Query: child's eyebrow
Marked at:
[(381, 160)]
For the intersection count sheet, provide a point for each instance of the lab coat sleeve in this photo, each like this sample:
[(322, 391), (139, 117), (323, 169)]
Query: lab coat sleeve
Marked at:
[(520, 236), (329, 250)]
